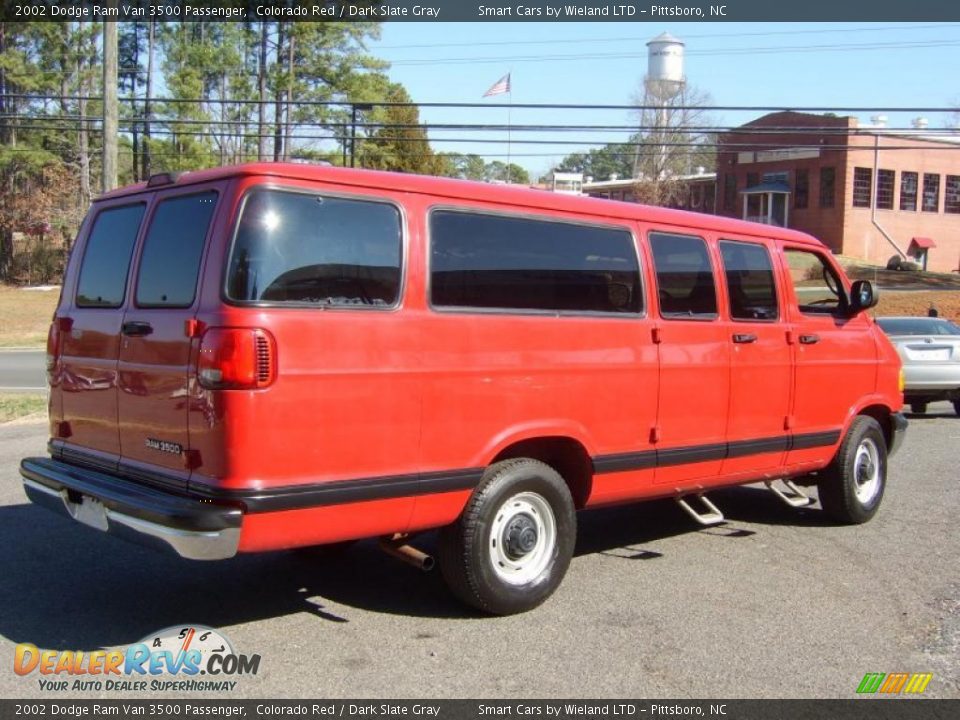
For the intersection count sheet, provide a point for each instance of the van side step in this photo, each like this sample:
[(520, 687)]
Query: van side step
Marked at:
[(713, 516), (794, 497)]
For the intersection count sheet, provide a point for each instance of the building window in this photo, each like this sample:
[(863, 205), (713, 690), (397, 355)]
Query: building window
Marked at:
[(885, 182), (862, 184), (908, 191), (801, 189), (753, 179), (828, 186), (729, 191), (931, 192), (951, 195)]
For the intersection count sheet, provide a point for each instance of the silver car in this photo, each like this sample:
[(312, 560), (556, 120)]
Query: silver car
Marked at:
[(930, 350)]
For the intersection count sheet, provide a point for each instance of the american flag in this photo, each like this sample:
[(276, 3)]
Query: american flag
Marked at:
[(499, 87)]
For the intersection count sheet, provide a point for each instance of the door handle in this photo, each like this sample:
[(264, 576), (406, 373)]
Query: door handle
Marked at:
[(809, 339), (136, 328), (744, 338)]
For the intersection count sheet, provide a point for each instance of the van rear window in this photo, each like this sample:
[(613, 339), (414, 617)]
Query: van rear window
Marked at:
[(106, 259), (170, 261), (300, 248), (513, 263)]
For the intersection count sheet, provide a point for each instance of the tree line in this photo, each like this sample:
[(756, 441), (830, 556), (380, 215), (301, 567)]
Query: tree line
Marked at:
[(194, 95)]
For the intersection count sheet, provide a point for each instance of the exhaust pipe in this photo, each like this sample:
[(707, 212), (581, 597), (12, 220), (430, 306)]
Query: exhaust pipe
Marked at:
[(398, 548)]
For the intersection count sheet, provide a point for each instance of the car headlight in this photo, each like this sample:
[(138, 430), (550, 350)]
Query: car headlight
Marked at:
[(901, 381)]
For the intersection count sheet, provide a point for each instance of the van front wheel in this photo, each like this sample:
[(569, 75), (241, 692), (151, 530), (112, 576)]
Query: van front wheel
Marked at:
[(851, 488), (512, 545)]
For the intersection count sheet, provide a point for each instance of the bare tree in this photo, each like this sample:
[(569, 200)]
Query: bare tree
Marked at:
[(954, 119), (672, 141)]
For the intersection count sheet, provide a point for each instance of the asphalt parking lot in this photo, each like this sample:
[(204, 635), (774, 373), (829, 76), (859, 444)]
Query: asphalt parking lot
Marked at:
[(777, 603)]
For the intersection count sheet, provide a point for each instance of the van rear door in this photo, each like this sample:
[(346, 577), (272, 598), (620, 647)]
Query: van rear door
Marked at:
[(88, 327), (155, 345)]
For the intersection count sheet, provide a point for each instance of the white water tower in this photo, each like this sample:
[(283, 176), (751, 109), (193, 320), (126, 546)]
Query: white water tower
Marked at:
[(665, 76), (664, 82)]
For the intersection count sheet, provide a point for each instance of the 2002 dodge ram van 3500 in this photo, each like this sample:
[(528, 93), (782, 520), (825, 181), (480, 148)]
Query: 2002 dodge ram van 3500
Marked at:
[(270, 356)]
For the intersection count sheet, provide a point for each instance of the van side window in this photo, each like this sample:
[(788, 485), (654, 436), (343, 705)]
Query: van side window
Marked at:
[(294, 247), (106, 258), (170, 260), (750, 283), (685, 280), (817, 286), (513, 263)]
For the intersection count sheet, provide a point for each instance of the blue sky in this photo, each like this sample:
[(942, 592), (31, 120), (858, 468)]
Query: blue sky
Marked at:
[(761, 64)]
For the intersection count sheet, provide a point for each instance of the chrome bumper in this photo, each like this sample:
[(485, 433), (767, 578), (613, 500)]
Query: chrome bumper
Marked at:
[(192, 528)]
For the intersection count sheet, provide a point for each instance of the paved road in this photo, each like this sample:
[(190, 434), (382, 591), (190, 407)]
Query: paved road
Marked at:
[(778, 603), (22, 370)]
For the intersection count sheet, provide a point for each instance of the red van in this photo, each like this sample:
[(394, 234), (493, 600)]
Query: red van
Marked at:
[(272, 356)]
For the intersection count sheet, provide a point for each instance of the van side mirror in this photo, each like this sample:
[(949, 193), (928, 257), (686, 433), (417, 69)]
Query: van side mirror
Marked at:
[(862, 296)]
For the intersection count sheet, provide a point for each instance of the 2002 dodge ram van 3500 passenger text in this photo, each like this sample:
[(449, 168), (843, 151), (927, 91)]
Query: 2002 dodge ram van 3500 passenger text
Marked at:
[(270, 356)]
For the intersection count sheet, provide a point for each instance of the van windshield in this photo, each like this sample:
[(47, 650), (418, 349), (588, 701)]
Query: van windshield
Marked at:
[(299, 248)]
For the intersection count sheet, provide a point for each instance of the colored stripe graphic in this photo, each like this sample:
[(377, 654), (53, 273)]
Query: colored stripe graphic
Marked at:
[(870, 683), (894, 683), (918, 682)]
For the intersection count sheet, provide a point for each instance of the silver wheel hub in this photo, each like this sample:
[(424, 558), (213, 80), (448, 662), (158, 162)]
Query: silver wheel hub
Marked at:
[(866, 471), (522, 538)]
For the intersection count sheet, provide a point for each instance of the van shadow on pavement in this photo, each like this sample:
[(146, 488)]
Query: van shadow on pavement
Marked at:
[(70, 587)]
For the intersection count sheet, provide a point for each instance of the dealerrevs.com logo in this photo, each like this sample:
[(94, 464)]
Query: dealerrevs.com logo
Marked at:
[(187, 658)]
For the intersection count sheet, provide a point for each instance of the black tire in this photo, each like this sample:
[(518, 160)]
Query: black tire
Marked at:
[(918, 407), (956, 406), (476, 557), (852, 486)]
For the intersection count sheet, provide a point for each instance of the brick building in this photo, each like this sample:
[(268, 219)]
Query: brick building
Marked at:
[(698, 191), (866, 191)]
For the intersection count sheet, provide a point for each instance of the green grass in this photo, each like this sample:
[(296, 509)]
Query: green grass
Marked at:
[(16, 405)]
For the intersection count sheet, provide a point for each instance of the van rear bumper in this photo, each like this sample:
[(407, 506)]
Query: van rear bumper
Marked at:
[(193, 528)]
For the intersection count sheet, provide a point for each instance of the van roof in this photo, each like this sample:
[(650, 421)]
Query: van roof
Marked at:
[(470, 190)]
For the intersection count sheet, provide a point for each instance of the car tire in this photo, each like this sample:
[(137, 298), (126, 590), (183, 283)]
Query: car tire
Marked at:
[(852, 486), (513, 543), (956, 406), (918, 407)]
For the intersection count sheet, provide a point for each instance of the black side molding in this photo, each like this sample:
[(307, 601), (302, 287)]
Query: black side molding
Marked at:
[(668, 457), (154, 498), (340, 492)]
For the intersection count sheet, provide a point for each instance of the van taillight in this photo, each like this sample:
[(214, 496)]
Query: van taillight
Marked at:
[(53, 346), (236, 359)]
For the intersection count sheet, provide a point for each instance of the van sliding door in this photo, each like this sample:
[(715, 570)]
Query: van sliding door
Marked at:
[(694, 349)]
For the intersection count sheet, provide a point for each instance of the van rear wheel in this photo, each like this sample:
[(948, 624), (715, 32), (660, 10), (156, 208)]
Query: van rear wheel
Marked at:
[(512, 545), (852, 486)]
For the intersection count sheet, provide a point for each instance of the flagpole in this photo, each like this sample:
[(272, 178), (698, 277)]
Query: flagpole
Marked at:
[(509, 109)]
